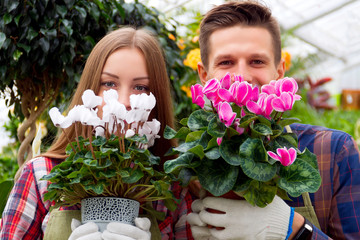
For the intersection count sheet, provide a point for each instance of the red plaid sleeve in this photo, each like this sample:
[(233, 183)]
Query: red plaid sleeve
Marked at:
[(25, 209)]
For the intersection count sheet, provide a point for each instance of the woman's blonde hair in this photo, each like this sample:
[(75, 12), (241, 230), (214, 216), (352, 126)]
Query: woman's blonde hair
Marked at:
[(90, 79)]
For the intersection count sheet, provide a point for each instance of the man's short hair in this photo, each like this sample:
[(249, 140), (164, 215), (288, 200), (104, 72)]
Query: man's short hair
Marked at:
[(244, 13)]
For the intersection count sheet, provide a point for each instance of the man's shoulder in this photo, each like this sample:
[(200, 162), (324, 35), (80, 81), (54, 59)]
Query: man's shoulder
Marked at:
[(313, 129)]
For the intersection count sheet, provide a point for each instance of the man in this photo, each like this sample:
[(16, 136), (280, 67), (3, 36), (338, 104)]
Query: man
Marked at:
[(243, 38)]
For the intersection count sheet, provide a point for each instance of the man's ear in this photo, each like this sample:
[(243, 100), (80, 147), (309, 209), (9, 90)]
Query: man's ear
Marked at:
[(281, 69), (202, 73)]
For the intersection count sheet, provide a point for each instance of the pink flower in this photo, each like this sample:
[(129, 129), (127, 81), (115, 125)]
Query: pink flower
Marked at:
[(243, 92), (211, 89), (226, 81), (238, 78), (226, 114), (197, 95), (240, 130), (219, 140), (263, 106), (283, 103), (284, 156), (225, 95)]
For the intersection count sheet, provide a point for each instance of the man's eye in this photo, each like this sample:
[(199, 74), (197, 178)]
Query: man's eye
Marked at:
[(257, 62), (225, 63)]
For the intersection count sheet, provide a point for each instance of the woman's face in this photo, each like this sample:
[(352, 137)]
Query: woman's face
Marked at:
[(125, 71)]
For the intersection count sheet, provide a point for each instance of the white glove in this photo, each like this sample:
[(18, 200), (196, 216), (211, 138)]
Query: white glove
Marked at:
[(241, 220), (87, 231), (123, 231)]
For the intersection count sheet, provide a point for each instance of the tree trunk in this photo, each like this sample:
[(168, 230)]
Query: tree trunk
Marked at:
[(35, 98)]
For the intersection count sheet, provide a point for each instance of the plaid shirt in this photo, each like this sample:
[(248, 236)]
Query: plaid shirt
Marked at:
[(337, 202), (26, 213)]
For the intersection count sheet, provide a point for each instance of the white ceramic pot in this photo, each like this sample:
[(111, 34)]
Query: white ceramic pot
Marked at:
[(103, 210)]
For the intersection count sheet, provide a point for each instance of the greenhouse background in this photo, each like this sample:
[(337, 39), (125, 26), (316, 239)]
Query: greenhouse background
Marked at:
[(321, 42)]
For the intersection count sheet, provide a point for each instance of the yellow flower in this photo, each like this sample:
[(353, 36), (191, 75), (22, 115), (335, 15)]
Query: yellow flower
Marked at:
[(193, 58), (172, 37), (181, 44), (195, 39), (187, 90), (287, 58)]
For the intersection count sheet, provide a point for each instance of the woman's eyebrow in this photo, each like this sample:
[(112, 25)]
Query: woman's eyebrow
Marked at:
[(111, 75), (141, 78)]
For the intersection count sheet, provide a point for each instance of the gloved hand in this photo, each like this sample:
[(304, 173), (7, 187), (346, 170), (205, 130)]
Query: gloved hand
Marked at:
[(123, 231), (87, 231), (241, 220)]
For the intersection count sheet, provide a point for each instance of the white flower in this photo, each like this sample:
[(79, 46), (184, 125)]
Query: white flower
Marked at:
[(142, 101), (110, 94), (58, 119), (149, 102), (129, 133), (84, 115), (150, 129), (99, 131), (90, 100)]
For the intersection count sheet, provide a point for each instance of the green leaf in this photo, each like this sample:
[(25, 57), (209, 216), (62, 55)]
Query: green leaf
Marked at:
[(299, 177), (198, 151), (216, 128), (309, 157), (169, 133), (5, 188), (7, 18), (31, 34), (253, 160), (246, 120), (229, 150), (134, 177), (25, 47), (287, 140), (193, 136), (260, 129), (213, 153), (199, 119), (97, 188), (99, 141), (217, 177), (44, 44), (184, 147), (184, 160), (2, 39), (287, 121), (108, 173), (260, 194), (184, 121), (91, 162), (17, 54)]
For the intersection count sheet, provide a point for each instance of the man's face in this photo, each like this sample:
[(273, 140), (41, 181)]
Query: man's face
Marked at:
[(246, 51)]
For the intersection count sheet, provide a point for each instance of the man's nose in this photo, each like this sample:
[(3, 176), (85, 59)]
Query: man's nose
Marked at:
[(243, 69)]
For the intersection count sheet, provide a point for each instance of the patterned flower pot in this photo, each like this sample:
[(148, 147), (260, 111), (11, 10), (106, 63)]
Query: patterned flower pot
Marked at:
[(103, 210)]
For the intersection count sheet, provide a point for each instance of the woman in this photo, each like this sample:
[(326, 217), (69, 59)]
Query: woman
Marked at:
[(131, 62)]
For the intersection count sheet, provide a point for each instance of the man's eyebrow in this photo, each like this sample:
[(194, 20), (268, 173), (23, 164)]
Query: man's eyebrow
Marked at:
[(222, 56), (261, 56)]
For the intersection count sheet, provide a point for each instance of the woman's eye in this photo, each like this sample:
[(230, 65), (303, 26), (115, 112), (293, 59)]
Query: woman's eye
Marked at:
[(108, 84), (142, 88)]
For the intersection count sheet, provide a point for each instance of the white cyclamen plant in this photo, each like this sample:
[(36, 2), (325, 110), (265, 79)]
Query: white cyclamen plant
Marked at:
[(115, 160)]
